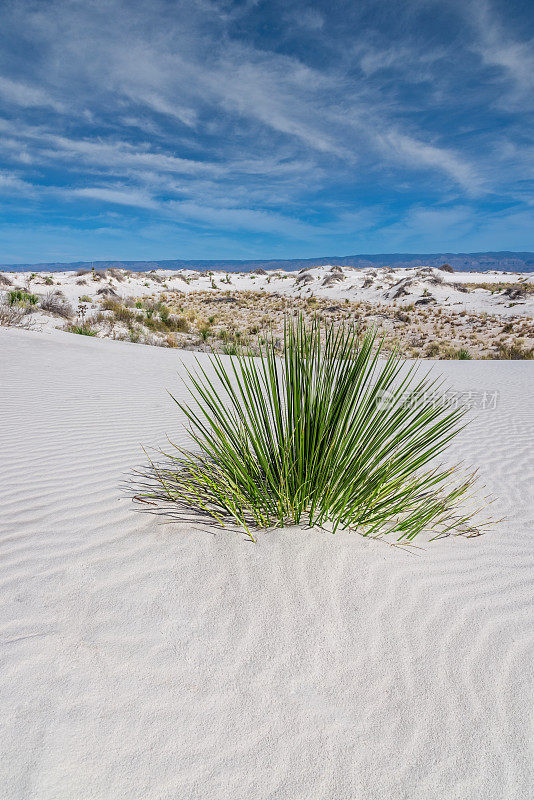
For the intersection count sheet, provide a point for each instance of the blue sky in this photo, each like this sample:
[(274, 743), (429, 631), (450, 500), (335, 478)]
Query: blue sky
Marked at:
[(150, 130)]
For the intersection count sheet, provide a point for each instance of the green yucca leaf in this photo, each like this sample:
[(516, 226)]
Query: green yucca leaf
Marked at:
[(322, 434)]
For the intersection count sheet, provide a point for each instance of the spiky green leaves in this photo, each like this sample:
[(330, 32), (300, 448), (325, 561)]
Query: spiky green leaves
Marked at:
[(330, 432)]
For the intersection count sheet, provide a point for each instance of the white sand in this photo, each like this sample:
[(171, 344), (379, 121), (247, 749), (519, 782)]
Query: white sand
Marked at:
[(144, 660), (375, 286)]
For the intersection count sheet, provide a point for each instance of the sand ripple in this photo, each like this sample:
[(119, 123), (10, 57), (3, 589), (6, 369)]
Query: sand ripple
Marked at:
[(146, 659)]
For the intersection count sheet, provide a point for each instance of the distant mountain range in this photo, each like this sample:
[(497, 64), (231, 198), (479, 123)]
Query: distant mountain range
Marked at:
[(476, 262)]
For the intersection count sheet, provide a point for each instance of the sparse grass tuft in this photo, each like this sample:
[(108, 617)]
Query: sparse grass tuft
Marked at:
[(82, 330)]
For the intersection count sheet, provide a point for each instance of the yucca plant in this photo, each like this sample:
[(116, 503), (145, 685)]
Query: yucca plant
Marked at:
[(330, 433)]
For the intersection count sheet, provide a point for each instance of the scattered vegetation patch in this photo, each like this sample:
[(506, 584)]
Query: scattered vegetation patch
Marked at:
[(519, 288)]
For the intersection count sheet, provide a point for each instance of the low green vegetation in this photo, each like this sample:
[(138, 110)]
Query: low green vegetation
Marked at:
[(82, 330), (463, 355), (22, 298), (323, 435)]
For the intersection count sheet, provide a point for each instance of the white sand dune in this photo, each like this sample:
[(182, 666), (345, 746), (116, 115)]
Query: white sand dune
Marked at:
[(375, 286), (148, 660)]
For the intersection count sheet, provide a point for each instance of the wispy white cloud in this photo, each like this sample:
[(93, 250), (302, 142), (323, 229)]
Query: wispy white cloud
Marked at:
[(125, 197), (500, 48), (420, 154), (11, 183), (279, 120), (27, 96)]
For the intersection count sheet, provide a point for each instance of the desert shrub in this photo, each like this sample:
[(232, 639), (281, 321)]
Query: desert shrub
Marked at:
[(13, 316), (432, 349), (56, 304), (22, 298), (85, 299), (110, 305), (82, 330), (120, 312), (205, 332), (323, 435), (123, 314), (514, 352), (164, 314), (463, 355), (115, 273), (101, 319), (177, 324)]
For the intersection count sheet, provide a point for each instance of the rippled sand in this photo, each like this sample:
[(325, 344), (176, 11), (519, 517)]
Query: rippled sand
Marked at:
[(143, 659)]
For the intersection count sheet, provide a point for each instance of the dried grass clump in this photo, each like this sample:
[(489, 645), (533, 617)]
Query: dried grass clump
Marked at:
[(13, 316), (55, 303), (116, 274), (514, 352)]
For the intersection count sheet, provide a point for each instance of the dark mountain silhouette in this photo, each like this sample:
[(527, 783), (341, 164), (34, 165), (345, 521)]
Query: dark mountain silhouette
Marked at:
[(501, 260)]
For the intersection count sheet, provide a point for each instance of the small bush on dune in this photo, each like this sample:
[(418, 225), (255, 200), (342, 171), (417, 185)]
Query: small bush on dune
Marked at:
[(13, 316), (514, 352), (463, 354), (205, 333), (123, 314), (22, 298), (82, 330), (323, 435), (178, 324), (56, 304), (82, 326), (115, 273)]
